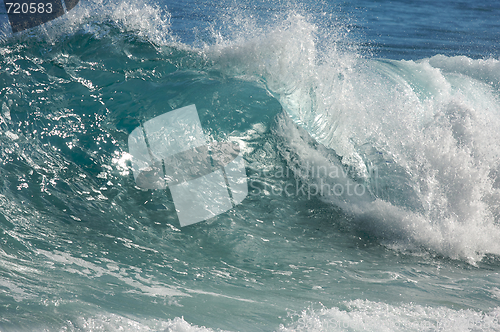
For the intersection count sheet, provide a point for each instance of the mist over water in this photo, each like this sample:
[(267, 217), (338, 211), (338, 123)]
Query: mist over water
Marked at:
[(312, 106)]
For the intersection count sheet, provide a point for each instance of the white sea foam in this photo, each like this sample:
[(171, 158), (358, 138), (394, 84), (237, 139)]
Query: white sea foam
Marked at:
[(145, 19), (113, 322), (429, 128), (357, 315), (360, 315)]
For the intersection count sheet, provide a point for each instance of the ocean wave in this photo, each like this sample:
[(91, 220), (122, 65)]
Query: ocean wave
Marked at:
[(421, 135), (418, 140), (429, 128)]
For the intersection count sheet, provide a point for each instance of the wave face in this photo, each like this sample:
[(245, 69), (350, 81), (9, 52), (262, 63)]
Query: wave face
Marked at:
[(374, 184), (422, 135)]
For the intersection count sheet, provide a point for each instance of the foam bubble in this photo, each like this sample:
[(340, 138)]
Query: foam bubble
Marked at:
[(113, 322), (360, 315)]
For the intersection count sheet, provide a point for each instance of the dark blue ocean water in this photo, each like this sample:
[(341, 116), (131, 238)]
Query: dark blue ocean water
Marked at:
[(394, 106)]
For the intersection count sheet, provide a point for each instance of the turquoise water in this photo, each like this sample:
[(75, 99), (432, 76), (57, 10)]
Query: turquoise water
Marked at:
[(397, 100)]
